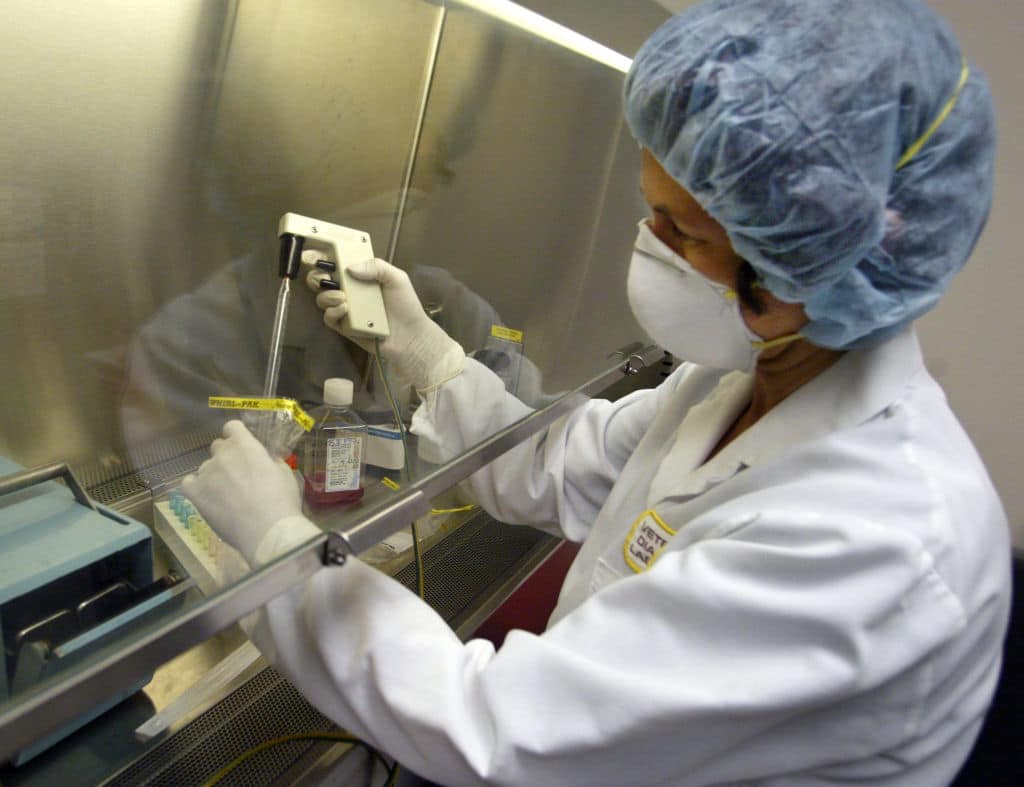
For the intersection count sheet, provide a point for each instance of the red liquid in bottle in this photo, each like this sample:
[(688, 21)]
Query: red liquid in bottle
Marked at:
[(335, 450), (318, 497)]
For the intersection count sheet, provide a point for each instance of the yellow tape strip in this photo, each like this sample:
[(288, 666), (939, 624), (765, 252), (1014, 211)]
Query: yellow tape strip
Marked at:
[(390, 484), (789, 337), (261, 403), (914, 149), (508, 334), (458, 510)]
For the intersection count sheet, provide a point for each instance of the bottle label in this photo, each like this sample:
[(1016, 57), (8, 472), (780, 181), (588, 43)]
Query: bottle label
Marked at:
[(344, 456)]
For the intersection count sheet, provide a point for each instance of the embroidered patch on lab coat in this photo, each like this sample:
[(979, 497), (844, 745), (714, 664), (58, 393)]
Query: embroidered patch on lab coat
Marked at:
[(646, 539)]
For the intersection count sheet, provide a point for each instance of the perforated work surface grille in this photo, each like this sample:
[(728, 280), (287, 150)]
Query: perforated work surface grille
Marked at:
[(266, 707), (457, 571), (111, 492), (460, 568), (118, 477)]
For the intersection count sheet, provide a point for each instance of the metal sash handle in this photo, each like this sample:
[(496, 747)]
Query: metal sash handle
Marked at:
[(635, 356), (38, 475)]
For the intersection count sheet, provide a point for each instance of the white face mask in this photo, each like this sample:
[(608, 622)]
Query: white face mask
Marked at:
[(694, 318)]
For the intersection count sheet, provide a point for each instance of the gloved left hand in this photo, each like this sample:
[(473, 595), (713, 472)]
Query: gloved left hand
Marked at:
[(244, 493)]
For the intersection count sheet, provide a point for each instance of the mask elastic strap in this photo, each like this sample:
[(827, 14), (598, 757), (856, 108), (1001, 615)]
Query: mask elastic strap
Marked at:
[(905, 159), (914, 149), (789, 337), (732, 295)]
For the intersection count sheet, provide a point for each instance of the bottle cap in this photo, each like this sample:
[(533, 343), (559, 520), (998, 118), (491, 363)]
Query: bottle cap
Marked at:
[(338, 391)]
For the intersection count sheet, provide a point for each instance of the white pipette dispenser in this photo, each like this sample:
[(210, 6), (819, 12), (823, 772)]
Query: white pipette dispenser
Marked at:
[(343, 247)]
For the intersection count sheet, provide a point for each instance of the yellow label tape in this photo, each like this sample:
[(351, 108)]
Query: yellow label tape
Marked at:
[(390, 484), (458, 510), (648, 536), (508, 334), (260, 403)]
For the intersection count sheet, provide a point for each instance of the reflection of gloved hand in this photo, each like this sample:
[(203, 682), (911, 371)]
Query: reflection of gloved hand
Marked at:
[(244, 494), (418, 349)]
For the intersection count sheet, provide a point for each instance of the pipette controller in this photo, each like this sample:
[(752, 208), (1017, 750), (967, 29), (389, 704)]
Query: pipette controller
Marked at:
[(289, 264), (342, 247)]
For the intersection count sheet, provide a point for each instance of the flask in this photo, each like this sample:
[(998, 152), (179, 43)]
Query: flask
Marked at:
[(335, 452)]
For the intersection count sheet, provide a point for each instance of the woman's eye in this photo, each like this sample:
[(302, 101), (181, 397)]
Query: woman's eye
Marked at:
[(669, 228), (665, 228), (683, 235), (678, 235)]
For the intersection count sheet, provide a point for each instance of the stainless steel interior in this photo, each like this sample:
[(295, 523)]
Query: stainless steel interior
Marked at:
[(526, 192), (149, 151)]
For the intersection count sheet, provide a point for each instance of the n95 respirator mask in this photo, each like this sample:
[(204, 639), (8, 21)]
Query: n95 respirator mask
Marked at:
[(694, 318)]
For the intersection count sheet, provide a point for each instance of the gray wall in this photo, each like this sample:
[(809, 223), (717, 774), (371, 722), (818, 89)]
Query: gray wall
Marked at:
[(973, 339)]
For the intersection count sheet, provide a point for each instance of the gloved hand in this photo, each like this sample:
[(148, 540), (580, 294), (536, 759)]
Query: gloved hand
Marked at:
[(418, 349), (244, 493)]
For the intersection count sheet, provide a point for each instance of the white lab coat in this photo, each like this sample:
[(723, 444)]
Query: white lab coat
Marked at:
[(829, 607)]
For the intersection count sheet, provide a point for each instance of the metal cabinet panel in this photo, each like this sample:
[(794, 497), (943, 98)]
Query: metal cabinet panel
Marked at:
[(151, 149), (315, 114), (521, 195), (148, 150), (98, 104)]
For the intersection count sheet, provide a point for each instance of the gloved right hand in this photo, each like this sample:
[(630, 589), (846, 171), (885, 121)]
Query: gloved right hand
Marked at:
[(418, 349)]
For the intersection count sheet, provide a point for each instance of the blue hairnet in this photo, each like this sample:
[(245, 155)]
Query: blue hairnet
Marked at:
[(786, 120)]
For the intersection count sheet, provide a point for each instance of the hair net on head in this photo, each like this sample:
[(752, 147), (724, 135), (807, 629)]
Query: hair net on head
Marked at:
[(787, 119)]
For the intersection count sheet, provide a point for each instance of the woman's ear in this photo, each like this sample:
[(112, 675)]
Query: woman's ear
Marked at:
[(748, 288)]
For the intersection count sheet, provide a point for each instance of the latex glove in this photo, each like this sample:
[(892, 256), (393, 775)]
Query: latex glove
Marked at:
[(418, 349), (244, 494)]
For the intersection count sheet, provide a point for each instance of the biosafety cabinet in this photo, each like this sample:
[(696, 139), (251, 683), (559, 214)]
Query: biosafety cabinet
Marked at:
[(149, 151)]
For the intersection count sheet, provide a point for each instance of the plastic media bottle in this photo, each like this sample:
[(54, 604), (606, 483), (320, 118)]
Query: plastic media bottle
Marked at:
[(335, 453)]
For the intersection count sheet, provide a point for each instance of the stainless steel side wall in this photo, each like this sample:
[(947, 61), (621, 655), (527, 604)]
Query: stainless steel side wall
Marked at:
[(526, 191), (148, 149)]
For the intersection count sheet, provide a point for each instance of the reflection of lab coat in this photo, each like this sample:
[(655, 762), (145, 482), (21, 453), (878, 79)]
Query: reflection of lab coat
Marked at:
[(468, 319), (213, 342), (821, 602)]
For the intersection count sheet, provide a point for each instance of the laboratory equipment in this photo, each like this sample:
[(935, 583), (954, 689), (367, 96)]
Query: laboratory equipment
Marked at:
[(289, 263), (342, 246), (202, 553), (71, 573), (334, 464), (209, 687), (384, 446)]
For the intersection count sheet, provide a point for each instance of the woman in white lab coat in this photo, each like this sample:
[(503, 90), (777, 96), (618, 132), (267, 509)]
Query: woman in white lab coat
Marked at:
[(794, 568)]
